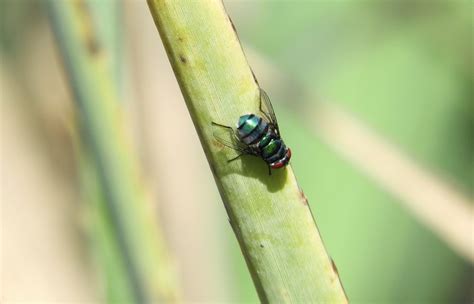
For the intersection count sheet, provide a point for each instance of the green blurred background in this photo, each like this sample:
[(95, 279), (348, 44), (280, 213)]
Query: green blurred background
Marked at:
[(402, 68)]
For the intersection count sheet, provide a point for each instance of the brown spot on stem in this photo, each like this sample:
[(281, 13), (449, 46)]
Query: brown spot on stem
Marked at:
[(90, 39), (333, 265), (93, 46), (232, 23), (334, 268), (183, 59), (261, 246), (304, 199)]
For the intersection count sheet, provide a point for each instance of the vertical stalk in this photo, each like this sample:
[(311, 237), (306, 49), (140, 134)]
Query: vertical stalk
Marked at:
[(269, 214), (126, 226)]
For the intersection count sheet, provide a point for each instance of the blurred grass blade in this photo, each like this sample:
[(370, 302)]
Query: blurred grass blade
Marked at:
[(104, 245), (106, 16), (269, 214), (105, 248), (139, 264)]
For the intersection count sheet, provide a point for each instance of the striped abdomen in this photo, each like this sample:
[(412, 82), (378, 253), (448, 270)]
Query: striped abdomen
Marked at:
[(274, 151), (252, 130)]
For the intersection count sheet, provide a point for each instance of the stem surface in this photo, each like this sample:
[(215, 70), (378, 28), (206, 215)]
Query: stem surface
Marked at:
[(269, 214)]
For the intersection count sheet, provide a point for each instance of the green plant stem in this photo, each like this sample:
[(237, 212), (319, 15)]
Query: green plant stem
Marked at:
[(269, 214), (126, 224)]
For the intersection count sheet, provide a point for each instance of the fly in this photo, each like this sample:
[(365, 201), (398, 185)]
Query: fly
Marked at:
[(258, 136)]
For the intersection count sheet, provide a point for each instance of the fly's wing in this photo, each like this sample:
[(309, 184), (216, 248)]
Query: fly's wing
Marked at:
[(267, 109), (226, 136)]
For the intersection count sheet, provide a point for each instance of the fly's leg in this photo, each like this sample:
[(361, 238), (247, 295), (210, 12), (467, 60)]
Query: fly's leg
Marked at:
[(232, 145), (221, 125), (269, 170), (232, 159)]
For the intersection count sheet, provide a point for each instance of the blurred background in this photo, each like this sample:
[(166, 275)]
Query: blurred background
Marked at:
[(373, 97)]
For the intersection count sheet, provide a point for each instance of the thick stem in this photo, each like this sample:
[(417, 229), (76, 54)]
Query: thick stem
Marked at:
[(269, 214)]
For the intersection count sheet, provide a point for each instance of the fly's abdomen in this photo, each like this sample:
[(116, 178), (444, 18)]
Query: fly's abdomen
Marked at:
[(251, 128), (273, 151)]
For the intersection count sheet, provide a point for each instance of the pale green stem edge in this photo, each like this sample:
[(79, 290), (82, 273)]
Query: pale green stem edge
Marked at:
[(138, 265), (269, 214)]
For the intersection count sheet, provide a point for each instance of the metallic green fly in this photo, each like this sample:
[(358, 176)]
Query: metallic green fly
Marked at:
[(258, 136)]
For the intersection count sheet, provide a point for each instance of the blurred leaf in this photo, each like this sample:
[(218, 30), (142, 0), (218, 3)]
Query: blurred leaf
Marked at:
[(126, 221), (16, 19)]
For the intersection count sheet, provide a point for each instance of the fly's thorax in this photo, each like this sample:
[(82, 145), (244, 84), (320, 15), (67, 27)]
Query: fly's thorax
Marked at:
[(251, 128)]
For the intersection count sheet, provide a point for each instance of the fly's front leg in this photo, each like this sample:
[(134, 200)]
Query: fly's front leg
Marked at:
[(235, 158), (232, 142), (221, 125)]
